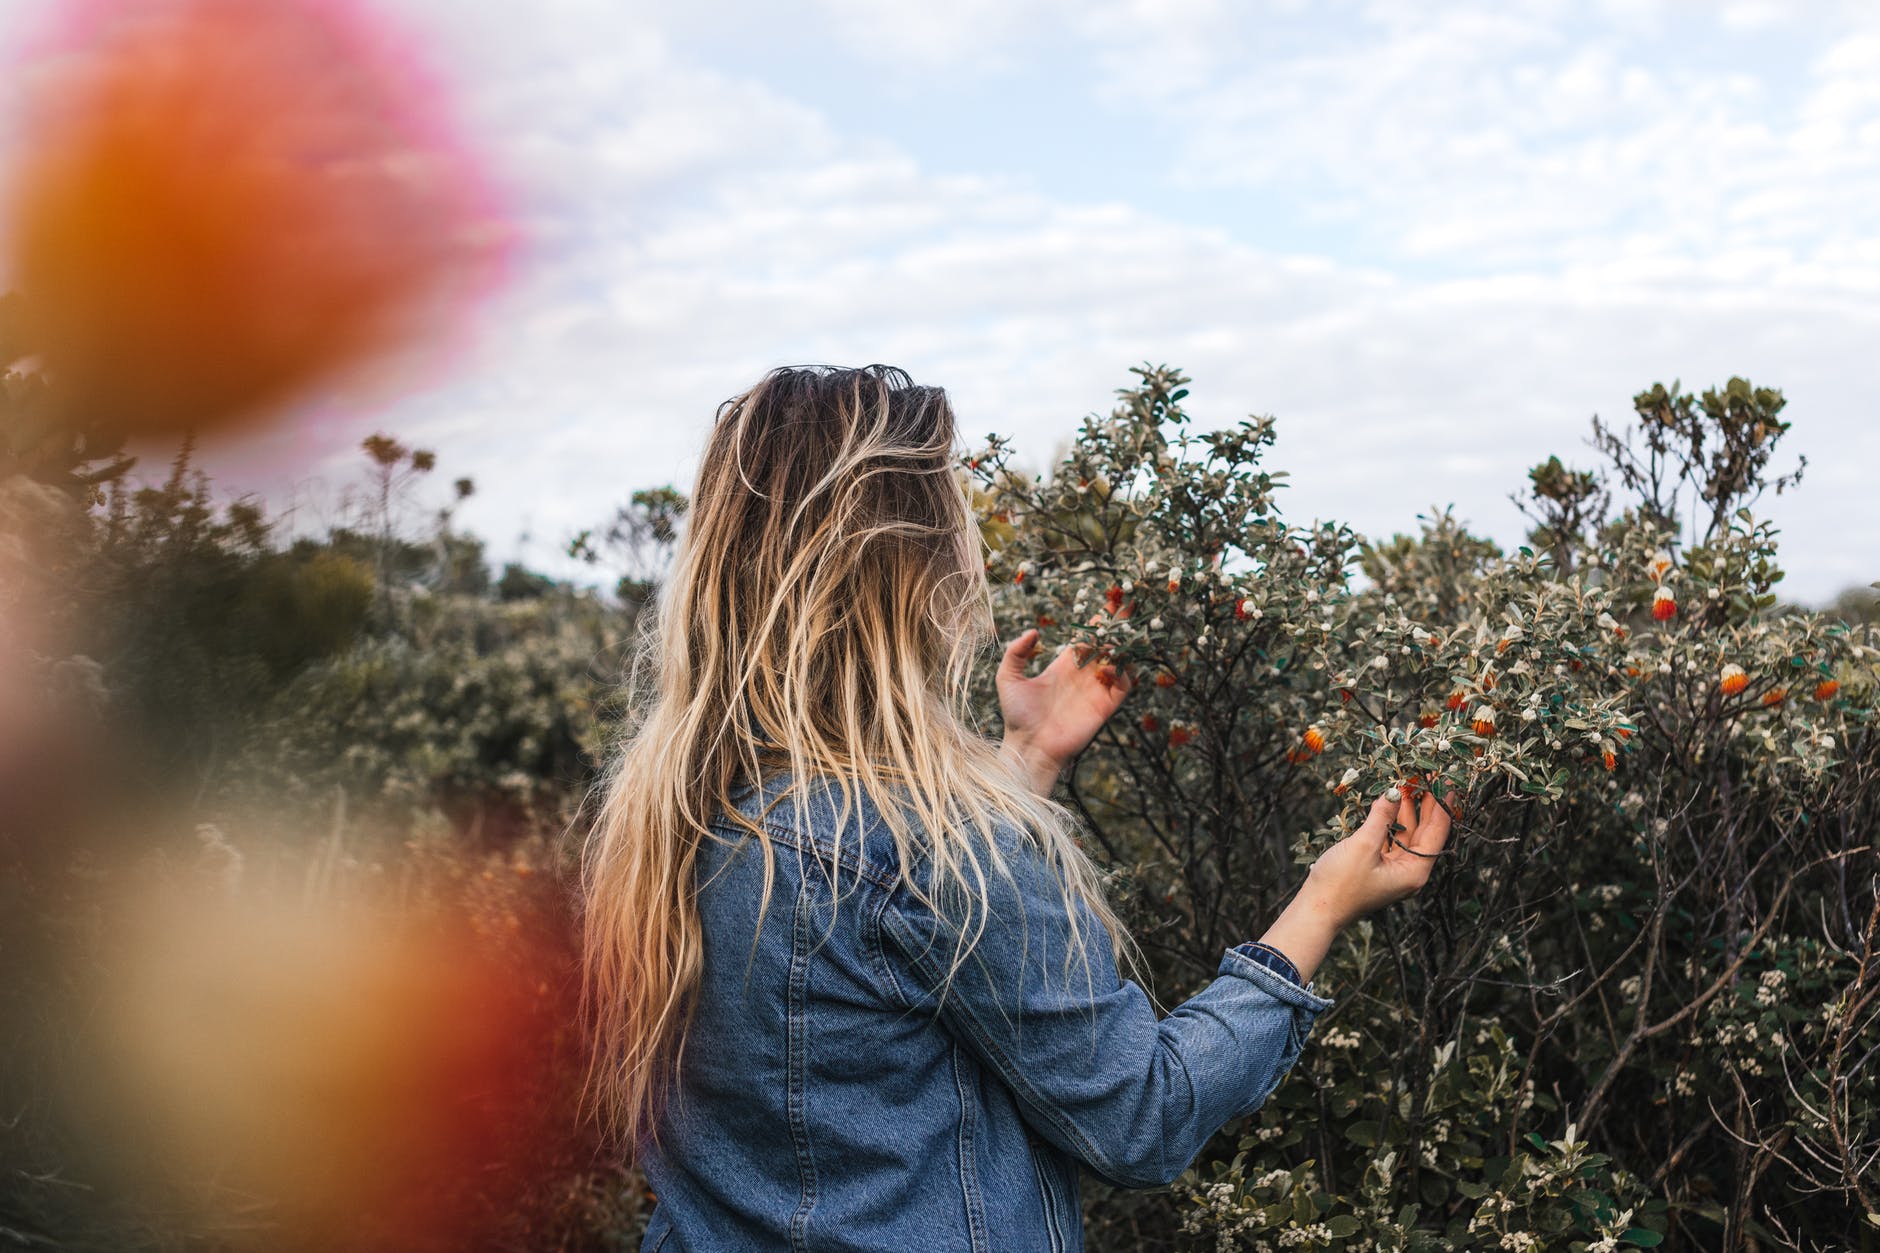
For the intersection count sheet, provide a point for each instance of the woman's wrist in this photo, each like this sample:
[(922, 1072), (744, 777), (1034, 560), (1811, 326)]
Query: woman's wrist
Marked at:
[(1304, 930), (1039, 767)]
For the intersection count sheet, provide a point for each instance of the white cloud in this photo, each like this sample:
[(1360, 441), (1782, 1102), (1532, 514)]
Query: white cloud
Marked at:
[(695, 225)]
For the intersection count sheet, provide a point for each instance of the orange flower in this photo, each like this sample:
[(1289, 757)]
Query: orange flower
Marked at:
[(1664, 605), (1826, 689), (1484, 723), (1611, 760), (1624, 733), (1045, 620), (1179, 735), (1733, 679), (1165, 678), (1488, 680), (1775, 696), (1315, 740), (1660, 562)]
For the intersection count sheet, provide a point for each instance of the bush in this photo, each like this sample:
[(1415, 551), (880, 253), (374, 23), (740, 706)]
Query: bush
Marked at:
[(1637, 1004)]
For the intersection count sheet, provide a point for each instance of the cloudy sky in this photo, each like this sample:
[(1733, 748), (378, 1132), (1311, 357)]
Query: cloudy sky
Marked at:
[(1432, 239)]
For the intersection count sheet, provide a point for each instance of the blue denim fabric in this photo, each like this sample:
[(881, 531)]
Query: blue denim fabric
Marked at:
[(824, 1104)]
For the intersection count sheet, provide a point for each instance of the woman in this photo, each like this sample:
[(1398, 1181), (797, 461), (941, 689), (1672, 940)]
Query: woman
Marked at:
[(853, 980)]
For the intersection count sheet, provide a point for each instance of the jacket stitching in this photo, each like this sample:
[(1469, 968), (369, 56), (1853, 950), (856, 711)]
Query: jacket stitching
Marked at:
[(797, 1044), (1086, 1148), (969, 1170), (1048, 1197), (847, 857)]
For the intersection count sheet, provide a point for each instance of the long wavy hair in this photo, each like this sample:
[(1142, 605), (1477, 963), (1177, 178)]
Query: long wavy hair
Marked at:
[(826, 607)]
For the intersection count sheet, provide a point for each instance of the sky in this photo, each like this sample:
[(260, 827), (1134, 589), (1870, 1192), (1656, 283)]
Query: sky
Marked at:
[(1432, 239)]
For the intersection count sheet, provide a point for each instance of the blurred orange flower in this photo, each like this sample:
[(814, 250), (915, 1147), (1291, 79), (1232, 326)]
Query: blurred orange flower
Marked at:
[(220, 203)]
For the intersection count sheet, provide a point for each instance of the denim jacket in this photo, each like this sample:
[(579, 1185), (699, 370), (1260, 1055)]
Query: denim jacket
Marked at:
[(823, 1105)]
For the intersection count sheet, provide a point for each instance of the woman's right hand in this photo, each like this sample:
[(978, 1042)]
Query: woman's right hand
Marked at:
[(1366, 870)]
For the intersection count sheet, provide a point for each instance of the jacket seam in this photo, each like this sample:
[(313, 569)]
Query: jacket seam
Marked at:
[(969, 1167), (846, 857), (797, 1045), (1086, 1147)]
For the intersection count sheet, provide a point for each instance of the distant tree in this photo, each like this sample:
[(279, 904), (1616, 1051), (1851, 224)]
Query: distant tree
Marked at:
[(1857, 604), (639, 542)]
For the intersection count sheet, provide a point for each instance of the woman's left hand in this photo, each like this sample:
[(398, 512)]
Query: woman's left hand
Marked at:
[(1051, 716)]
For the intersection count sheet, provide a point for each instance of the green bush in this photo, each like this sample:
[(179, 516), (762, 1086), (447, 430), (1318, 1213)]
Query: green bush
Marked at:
[(1637, 1003)]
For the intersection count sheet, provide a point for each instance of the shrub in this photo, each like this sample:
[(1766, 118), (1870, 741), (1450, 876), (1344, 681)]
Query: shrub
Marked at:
[(1637, 1002)]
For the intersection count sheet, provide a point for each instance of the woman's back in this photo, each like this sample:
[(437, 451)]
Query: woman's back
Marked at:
[(823, 1105)]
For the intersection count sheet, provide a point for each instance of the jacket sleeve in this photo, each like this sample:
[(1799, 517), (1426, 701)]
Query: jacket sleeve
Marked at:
[(1095, 1072)]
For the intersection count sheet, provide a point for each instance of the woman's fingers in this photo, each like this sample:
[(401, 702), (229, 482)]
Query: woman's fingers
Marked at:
[(1376, 826), (1432, 833), (1018, 654)]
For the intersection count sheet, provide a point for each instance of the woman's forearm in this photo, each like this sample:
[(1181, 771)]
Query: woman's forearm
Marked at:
[(1305, 929)]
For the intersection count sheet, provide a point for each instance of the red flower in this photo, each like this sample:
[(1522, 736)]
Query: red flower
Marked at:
[(1612, 761), (1314, 740), (1775, 696), (1426, 719), (1457, 700), (1113, 598), (1165, 678), (1664, 605), (1150, 724), (1826, 689), (1179, 735)]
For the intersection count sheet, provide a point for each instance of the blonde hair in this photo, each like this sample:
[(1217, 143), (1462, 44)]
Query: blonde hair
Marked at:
[(826, 606)]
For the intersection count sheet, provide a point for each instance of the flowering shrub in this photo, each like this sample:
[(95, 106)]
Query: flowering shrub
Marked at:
[(1638, 1001)]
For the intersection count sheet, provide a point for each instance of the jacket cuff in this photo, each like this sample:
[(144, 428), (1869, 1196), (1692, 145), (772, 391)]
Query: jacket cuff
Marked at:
[(1278, 986)]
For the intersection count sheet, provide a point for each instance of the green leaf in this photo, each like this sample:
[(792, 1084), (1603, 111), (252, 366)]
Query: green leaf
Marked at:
[(1342, 1225), (1642, 1238), (1364, 1133)]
